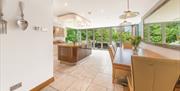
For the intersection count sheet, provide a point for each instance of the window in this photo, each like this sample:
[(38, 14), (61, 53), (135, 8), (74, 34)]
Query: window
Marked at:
[(162, 33), (99, 38)]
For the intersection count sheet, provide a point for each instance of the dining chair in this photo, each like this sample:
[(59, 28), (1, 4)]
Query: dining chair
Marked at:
[(114, 45), (118, 73), (111, 52), (154, 74)]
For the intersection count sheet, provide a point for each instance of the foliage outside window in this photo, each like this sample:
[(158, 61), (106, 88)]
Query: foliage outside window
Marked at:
[(102, 36), (173, 33), (90, 37), (115, 36), (155, 33), (71, 35), (83, 35), (98, 35), (169, 31), (106, 34), (90, 34), (125, 36)]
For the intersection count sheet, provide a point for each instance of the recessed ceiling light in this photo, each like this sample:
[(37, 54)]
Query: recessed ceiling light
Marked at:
[(65, 4)]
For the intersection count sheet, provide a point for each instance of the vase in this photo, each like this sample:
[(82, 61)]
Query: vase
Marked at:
[(135, 50)]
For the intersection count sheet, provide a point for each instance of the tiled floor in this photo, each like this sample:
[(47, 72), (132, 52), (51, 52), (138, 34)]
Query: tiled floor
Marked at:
[(93, 74)]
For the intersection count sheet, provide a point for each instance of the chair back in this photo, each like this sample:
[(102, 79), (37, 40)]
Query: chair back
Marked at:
[(114, 45), (154, 74), (111, 52)]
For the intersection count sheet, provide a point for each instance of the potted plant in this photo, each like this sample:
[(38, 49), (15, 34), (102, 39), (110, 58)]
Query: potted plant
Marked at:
[(135, 41)]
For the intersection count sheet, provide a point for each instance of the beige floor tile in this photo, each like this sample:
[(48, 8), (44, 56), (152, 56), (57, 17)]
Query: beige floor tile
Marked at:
[(94, 73), (108, 70), (80, 85), (63, 83), (104, 80), (58, 75), (89, 74), (117, 87), (77, 73), (48, 88), (94, 87)]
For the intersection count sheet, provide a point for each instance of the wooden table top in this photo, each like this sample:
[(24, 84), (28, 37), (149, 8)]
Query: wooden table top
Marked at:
[(68, 45), (123, 56)]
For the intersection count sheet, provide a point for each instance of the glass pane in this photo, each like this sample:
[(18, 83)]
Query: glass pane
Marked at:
[(115, 35), (83, 35), (71, 35), (146, 38), (90, 38), (172, 33), (98, 38), (155, 33), (106, 37)]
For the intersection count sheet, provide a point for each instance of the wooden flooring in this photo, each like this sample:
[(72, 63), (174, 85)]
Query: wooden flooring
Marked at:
[(93, 74)]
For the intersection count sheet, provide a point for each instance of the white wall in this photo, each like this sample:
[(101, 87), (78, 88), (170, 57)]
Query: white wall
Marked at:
[(26, 56), (169, 53)]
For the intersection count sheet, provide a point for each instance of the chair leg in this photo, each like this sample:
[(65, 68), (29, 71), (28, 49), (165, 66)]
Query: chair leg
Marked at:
[(113, 76)]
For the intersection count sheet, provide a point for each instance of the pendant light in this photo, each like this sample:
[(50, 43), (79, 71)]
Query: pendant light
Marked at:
[(3, 23), (129, 13), (125, 23)]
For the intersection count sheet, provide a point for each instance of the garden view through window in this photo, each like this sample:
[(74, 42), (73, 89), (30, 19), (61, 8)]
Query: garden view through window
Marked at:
[(98, 38)]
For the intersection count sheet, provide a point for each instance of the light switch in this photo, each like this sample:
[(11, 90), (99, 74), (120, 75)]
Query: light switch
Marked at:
[(16, 86)]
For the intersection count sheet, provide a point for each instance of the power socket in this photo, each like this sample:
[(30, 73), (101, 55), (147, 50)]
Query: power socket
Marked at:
[(16, 86)]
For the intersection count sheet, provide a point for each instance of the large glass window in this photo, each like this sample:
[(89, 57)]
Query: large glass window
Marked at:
[(169, 32), (98, 38)]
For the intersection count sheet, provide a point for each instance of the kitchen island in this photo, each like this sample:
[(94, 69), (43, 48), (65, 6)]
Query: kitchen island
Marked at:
[(72, 53)]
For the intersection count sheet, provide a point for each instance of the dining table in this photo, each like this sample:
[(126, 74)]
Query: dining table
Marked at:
[(122, 59)]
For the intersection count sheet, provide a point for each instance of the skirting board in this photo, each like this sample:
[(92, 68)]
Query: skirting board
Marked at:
[(42, 85)]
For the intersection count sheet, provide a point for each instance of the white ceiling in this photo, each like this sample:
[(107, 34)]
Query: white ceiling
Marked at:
[(104, 12)]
